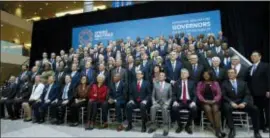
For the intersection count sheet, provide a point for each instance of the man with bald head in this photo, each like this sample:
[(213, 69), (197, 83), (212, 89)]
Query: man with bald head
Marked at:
[(117, 99)]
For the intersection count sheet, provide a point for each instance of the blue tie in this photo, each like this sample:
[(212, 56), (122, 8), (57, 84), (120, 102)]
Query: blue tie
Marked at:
[(235, 86)]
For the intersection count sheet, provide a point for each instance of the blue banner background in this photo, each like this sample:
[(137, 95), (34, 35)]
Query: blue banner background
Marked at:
[(193, 23)]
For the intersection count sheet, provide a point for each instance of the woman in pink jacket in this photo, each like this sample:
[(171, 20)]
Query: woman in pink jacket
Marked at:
[(209, 95)]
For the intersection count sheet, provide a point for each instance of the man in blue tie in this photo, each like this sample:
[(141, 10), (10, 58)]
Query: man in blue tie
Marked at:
[(237, 97), (220, 73), (59, 105)]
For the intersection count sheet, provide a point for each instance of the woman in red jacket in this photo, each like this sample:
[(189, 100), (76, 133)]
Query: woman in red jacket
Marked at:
[(97, 96), (209, 95)]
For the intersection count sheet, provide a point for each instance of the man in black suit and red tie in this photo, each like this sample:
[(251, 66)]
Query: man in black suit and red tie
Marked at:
[(139, 96), (184, 97), (237, 97), (258, 82)]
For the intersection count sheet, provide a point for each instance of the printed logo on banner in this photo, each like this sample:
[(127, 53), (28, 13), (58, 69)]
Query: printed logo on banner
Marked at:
[(85, 37)]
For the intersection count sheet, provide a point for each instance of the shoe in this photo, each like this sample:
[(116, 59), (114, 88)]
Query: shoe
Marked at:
[(257, 135), (87, 127), (74, 124), (179, 129), (60, 122), (188, 130), (265, 130), (104, 125), (231, 133), (27, 120), (129, 127), (143, 128), (151, 130), (120, 128), (165, 133), (41, 121)]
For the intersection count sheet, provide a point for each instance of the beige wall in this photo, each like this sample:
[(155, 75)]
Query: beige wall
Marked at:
[(13, 59)]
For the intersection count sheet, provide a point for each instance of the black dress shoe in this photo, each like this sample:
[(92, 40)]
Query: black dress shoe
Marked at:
[(27, 120), (129, 127), (151, 130), (179, 129), (257, 135), (143, 128), (231, 133), (265, 130), (41, 122), (74, 124), (165, 133), (188, 130)]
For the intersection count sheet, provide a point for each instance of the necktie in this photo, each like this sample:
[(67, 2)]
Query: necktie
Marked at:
[(217, 72), (65, 93), (194, 68), (118, 70), (253, 69), (138, 90), (138, 86), (173, 63), (235, 86), (161, 87), (184, 93)]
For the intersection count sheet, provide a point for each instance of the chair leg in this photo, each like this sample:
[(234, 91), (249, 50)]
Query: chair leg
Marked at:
[(66, 112), (247, 120), (82, 112), (202, 120)]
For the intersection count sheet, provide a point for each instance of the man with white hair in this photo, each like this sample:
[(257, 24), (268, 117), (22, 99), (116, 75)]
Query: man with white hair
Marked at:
[(184, 97), (194, 68), (241, 71), (109, 53), (219, 73)]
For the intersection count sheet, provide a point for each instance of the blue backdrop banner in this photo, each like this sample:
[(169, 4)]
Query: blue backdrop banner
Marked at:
[(193, 23)]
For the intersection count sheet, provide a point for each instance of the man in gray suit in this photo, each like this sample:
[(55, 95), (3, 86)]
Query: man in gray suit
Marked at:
[(161, 98), (119, 69)]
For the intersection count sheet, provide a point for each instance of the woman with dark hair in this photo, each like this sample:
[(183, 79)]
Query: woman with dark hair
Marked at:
[(209, 95), (81, 95)]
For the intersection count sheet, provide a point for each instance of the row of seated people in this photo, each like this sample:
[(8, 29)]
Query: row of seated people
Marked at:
[(164, 96)]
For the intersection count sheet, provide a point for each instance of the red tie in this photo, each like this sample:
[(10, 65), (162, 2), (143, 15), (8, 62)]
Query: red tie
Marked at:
[(184, 94), (138, 90)]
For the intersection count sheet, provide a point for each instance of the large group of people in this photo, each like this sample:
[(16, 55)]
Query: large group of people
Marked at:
[(159, 74)]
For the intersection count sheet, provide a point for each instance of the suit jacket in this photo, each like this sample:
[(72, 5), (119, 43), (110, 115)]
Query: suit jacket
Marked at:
[(99, 94), (75, 80), (259, 81), (225, 66), (33, 75), (164, 96), (163, 52), (37, 90), (91, 75), (53, 62), (177, 90), (173, 75), (242, 74), (221, 76), (60, 79), (11, 91), (143, 94), (53, 93), (147, 69), (24, 91), (242, 95), (195, 75), (70, 93), (119, 93), (123, 72), (28, 73), (215, 88)]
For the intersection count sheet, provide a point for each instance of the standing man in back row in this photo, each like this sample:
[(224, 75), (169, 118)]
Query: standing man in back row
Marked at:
[(258, 82)]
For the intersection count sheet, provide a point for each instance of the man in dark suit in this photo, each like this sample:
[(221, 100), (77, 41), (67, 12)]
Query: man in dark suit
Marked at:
[(146, 67), (194, 68), (23, 73), (62, 101), (241, 71), (23, 94), (237, 97), (163, 48), (34, 73), (49, 94), (139, 96), (53, 61), (217, 50), (102, 70), (208, 60), (9, 95), (60, 74), (75, 76), (89, 72), (172, 68), (117, 99), (184, 97), (121, 70), (226, 61), (258, 82), (220, 73)]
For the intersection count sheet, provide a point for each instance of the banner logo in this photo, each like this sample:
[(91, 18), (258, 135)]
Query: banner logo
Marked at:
[(85, 36)]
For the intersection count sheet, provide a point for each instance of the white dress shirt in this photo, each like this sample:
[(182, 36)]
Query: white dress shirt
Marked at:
[(254, 67), (65, 92), (187, 93), (73, 73), (36, 93), (237, 68)]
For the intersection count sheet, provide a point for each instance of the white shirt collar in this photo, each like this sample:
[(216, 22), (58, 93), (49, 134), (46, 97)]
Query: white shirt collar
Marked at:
[(256, 64)]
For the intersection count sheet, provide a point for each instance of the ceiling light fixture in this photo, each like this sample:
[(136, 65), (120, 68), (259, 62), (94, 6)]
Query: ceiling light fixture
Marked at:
[(20, 5), (35, 13), (66, 7), (59, 14), (2, 25), (46, 4), (35, 18), (100, 7), (40, 8)]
